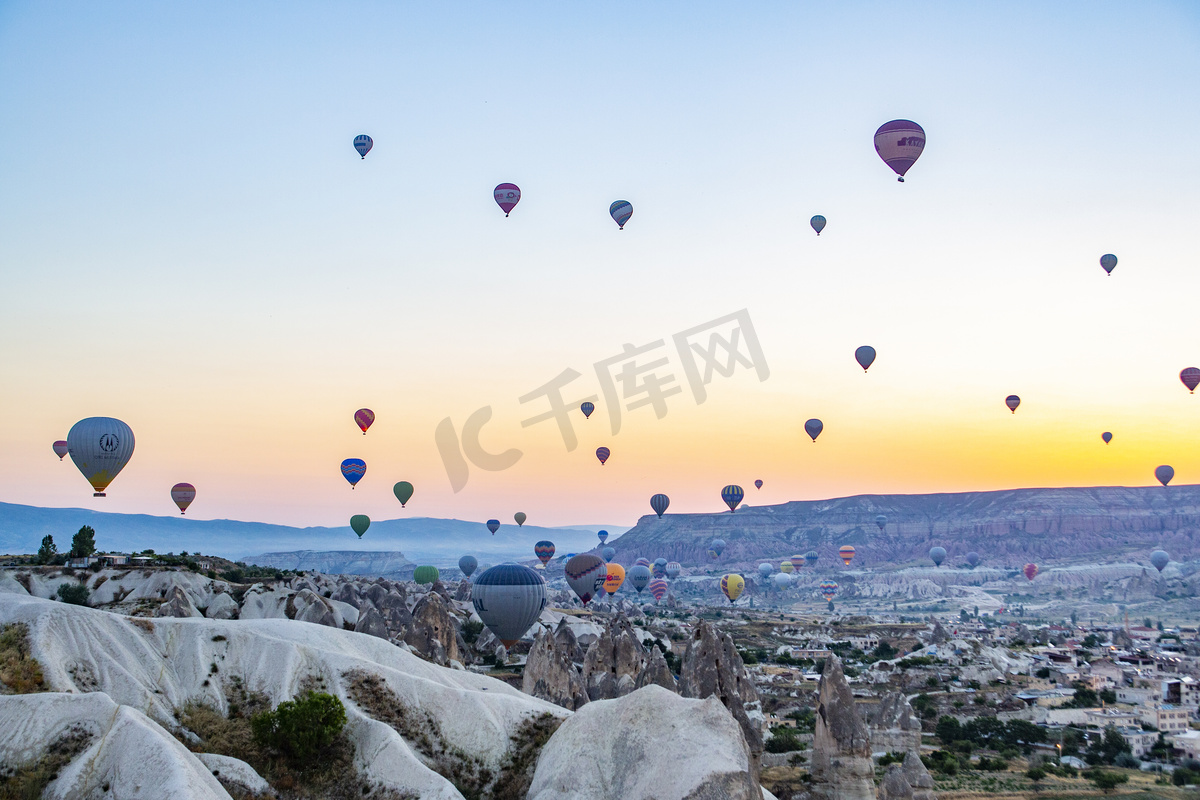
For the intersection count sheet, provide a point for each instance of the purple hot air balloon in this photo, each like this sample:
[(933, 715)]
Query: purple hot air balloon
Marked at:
[(1012, 401), (758, 484), (507, 196), (900, 143), (1164, 474), (61, 448), (587, 407), (603, 453), (813, 428), (493, 525), (1190, 378)]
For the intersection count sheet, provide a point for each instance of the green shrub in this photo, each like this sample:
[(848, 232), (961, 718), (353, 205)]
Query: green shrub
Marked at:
[(75, 594), (300, 729), (1183, 777)]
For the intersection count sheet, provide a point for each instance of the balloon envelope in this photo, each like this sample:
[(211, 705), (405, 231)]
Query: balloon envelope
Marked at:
[(621, 211), (865, 356), (732, 495), (353, 470), (61, 448), (520, 518), (587, 408), (602, 536), (403, 491), (973, 559), (732, 586), (937, 555), (717, 546), (426, 574), (900, 143), (818, 224), (507, 196), (509, 598), (363, 418), (673, 569), (782, 580), (614, 577), (643, 562), (1012, 401), (609, 553), (810, 558), (846, 553), (1109, 262), (603, 453), (183, 494), (658, 588), (828, 589), (765, 569), (100, 448), (493, 525), (639, 577), (758, 484), (813, 428), (881, 521), (659, 503), (1164, 474), (1159, 559), (1190, 378), (586, 574), (363, 144), (1031, 571), (544, 550), (467, 565), (1106, 436), (787, 567), (659, 567)]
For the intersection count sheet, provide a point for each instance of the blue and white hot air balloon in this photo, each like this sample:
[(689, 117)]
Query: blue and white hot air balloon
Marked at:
[(621, 211), (363, 144)]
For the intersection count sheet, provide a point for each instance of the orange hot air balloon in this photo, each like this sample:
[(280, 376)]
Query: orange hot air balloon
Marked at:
[(616, 576)]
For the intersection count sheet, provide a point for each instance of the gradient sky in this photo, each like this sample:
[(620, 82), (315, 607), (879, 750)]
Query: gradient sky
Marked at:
[(189, 242)]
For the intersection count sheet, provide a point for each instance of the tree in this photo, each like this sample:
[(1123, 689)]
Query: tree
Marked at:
[(75, 594), (47, 551), (1105, 749), (84, 542), (1107, 780), (1043, 673), (1108, 696), (948, 730), (1074, 618), (301, 728), (1037, 776), (1160, 626)]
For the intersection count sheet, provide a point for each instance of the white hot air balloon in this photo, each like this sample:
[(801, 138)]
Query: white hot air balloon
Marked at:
[(100, 448)]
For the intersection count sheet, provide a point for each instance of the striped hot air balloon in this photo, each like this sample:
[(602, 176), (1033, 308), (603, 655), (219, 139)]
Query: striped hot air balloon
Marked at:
[(1109, 262), (621, 211), (507, 196), (846, 553), (587, 408), (544, 550), (1012, 401), (658, 588), (659, 503), (61, 448), (183, 494), (828, 590), (493, 525), (353, 470), (1031, 571), (787, 567), (900, 143), (363, 418), (732, 495), (643, 562), (659, 567), (509, 598), (586, 574), (363, 144), (673, 569), (810, 558), (799, 561), (603, 453), (1190, 378), (426, 574)]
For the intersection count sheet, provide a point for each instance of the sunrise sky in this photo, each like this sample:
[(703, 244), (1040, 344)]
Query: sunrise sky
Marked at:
[(189, 242)]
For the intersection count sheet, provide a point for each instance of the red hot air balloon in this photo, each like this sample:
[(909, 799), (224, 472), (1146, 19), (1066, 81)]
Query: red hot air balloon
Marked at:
[(61, 448), (1031, 571), (900, 143), (603, 453), (507, 196), (1012, 401), (1190, 378), (363, 418), (183, 494)]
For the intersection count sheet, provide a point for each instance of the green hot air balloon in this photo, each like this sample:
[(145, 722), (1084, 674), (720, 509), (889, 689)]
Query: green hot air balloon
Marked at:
[(404, 492), (425, 574), (359, 523)]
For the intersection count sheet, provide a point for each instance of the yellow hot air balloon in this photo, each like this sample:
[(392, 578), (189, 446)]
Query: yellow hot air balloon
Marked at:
[(732, 585), (616, 576), (787, 566)]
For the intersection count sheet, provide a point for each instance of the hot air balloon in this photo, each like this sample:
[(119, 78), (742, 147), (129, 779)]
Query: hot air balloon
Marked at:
[(1106, 436), (829, 590), (659, 503), (973, 559), (659, 567), (717, 546), (787, 567), (846, 553), (544, 550), (100, 448), (937, 555), (183, 494), (363, 418), (493, 525), (1031, 571), (426, 574), (603, 453), (353, 470), (507, 196), (643, 562), (673, 569), (509, 598), (363, 144), (520, 518), (818, 224), (658, 588), (782, 580), (639, 577), (813, 428), (1164, 474), (732, 586), (1190, 378), (586, 575), (1109, 262), (1012, 401), (61, 448), (614, 577), (1159, 559), (758, 484), (881, 521), (467, 565), (810, 558), (865, 356), (899, 143), (732, 495), (621, 211), (587, 408), (403, 491), (765, 569), (609, 553), (602, 536)]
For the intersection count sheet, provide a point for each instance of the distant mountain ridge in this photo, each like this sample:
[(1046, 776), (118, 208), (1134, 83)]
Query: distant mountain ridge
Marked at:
[(1008, 527), (337, 562), (421, 539)]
